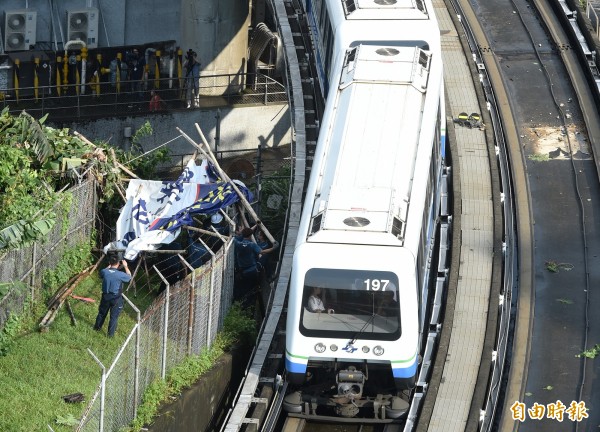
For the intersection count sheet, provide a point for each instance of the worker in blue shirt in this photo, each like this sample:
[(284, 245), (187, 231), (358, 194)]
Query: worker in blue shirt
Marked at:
[(246, 266), (112, 293)]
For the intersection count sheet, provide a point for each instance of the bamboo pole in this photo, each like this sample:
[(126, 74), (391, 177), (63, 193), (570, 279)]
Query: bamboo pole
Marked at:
[(209, 154), (120, 165), (200, 230)]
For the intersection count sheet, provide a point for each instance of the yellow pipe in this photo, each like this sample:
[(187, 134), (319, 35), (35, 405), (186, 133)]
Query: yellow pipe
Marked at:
[(77, 75), (58, 67), (16, 77), (36, 78), (66, 74), (118, 78), (157, 71)]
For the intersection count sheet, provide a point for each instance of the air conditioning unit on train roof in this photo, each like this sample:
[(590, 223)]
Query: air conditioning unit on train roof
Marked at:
[(82, 24), (19, 29)]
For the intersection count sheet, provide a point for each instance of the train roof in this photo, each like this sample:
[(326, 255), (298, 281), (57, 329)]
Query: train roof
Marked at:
[(373, 143), (386, 9)]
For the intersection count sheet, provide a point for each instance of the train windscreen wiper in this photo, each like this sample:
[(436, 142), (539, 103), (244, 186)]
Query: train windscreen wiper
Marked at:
[(350, 345)]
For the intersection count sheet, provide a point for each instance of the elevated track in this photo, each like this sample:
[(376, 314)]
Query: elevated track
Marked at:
[(507, 320)]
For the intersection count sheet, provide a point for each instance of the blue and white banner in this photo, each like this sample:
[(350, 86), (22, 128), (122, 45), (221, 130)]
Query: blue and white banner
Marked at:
[(155, 211)]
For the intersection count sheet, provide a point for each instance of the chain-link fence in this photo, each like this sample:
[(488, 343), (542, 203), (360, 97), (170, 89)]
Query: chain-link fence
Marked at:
[(182, 321), (28, 264)]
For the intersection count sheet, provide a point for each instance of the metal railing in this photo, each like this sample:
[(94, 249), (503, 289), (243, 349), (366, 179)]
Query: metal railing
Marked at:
[(592, 14), (95, 100)]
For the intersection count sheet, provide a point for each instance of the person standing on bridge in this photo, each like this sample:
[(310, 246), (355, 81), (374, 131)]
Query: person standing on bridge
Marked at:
[(112, 293), (192, 78)]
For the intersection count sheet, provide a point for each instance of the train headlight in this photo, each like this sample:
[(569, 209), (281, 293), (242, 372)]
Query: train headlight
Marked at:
[(333, 347), (320, 348), (366, 349), (378, 350)]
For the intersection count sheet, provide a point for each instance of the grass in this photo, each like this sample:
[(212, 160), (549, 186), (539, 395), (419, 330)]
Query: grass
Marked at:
[(539, 157), (39, 368)]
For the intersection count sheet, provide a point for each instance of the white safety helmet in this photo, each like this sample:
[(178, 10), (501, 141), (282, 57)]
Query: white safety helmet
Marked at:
[(216, 218)]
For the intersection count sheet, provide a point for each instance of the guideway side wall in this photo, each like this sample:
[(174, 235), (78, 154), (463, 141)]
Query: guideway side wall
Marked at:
[(241, 128)]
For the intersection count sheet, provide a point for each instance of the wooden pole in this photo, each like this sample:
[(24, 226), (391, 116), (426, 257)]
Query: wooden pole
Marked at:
[(209, 155), (200, 230), (224, 175), (87, 141)]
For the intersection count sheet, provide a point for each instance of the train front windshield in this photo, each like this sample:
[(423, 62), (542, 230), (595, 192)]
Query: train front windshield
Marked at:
[(353, 304)]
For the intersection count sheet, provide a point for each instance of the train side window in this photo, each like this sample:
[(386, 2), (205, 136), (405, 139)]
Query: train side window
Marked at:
[(329, 51)]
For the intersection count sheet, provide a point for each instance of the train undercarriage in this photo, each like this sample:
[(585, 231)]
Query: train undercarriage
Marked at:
[(355, 392)]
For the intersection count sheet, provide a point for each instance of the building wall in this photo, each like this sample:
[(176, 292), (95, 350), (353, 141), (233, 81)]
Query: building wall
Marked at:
[(241, 129), (211, 27)]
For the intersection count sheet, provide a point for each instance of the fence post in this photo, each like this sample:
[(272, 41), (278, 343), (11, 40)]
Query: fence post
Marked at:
[(33, 273), (190, 306), (266, 88), (210, 295), (102, 391), (136, 380), (165, 325)]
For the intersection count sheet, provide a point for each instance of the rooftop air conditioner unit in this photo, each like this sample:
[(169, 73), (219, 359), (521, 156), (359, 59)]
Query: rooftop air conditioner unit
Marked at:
[(82, 24), (19, 29)]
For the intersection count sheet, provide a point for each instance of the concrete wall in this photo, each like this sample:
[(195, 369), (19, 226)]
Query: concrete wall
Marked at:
[(242, 128), (212, 27)]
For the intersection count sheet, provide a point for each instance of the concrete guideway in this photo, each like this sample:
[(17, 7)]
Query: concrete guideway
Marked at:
[(458, 370), (548, 335)]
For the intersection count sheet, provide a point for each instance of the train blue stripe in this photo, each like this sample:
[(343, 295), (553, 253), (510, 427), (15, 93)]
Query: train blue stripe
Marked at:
[(405, 372), (294, 367)]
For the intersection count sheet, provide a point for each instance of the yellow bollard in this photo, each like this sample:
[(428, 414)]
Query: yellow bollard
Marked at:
[(118, 77), (77, 74), (58, 80), (36, 78), (65, 74), (16, 77)]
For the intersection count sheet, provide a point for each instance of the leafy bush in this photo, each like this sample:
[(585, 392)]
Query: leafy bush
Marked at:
[(274, 197), (73, 261), (32, 156)]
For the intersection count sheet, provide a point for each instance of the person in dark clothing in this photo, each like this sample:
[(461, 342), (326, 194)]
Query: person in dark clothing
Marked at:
[(192, 77), (136, 66), (220, 225), (197, 253), (265, 254), (112, 293), (170, 267), (246, 264)]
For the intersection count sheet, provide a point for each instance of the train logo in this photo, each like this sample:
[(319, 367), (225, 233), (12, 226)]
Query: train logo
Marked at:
[(349, 348)]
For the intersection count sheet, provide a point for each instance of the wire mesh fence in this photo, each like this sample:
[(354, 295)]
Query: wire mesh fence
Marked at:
[(28, 264), (182, 321)]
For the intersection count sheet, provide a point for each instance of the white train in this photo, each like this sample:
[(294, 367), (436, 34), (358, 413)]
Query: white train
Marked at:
[(371, 210)]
